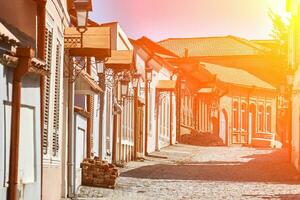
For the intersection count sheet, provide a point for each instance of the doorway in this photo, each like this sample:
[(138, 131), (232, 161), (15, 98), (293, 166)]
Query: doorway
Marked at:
[(223, 130), (251, 123)]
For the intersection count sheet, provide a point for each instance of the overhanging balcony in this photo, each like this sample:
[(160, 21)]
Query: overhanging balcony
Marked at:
[(94, 42)]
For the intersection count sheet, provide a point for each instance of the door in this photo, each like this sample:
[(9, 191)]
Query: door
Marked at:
[(250, 128), (223, 126), (251, 123), (140, 131)]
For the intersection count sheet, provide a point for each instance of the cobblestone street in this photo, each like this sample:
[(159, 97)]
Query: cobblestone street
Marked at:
[(190, 172)]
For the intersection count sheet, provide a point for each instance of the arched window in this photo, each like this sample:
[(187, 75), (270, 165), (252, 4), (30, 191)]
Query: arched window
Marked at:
[(244, 116), (261, 113), (268, 118), (235, 110)]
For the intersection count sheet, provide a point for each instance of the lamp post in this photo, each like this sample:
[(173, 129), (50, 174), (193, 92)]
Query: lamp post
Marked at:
[(135, 84), (290, 80), (148, 75), (81, 6)]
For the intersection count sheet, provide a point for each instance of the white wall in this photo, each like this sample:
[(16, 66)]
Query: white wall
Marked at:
[(29, 171)]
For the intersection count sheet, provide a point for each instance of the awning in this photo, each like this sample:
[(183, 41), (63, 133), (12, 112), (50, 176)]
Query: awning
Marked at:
[(120, 60), (85, 84), (166, 85)]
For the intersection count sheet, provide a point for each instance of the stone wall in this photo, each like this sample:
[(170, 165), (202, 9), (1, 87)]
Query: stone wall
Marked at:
[(99, 173)]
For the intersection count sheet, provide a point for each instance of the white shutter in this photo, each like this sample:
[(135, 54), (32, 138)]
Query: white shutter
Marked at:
[(56, 114), (48, 56)]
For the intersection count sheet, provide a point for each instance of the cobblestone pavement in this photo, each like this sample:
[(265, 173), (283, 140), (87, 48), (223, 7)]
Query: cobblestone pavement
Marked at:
[(190, 172)]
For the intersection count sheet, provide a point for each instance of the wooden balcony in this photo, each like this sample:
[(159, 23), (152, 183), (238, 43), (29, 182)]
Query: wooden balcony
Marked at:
[(95, 42), (120, 60)]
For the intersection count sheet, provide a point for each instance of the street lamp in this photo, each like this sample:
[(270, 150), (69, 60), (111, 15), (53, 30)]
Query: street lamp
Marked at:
[(124, 87), (183, 84), (135, 80), (100, 67), (149, 73), (82, 8)]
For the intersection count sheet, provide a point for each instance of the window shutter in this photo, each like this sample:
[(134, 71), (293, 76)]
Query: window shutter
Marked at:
[(48, 52), (56, 120)]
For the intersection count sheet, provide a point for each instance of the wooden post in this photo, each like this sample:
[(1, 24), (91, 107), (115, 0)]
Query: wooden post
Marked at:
[(101, 77), (146, 116), (90, 118), (178, 104), (171, 117), (135, 123), (14, 142)]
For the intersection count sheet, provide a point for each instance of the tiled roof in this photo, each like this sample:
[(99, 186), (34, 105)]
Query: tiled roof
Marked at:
[(212, 46), (236, 76), (154, 47)]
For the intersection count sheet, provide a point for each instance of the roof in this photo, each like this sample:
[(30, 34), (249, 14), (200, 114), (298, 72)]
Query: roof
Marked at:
[(85, 84), (212, 46), (15, 36), (236, 76), (154, 47)]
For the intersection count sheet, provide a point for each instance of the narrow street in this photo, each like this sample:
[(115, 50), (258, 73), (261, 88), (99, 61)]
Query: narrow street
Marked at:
[(191, 172)]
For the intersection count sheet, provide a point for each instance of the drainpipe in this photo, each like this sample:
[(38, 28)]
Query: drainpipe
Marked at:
[(25, 55), (70, 160), (90, 118), (41, 17)]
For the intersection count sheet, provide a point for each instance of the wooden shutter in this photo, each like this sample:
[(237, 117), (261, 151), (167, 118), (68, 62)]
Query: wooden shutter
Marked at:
[(56, 114), (48, 56)]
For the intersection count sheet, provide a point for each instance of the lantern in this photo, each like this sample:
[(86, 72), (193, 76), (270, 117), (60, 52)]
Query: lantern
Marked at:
[(124, 87), (149, 73), (82, 8), (135, 80)]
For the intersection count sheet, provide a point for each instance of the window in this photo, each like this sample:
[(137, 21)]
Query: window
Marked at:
[(235, 111), (244, 116), (261, 113), (268, 118), (48, 56)]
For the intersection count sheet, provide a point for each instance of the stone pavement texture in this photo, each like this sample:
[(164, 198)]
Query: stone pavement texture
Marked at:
[(191, 172)]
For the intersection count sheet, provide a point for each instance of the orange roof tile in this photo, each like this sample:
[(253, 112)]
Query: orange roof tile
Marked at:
[(236, 76), (212, 46)]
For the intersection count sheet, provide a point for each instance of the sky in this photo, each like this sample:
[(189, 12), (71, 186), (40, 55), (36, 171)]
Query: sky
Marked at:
[(161, 19)]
